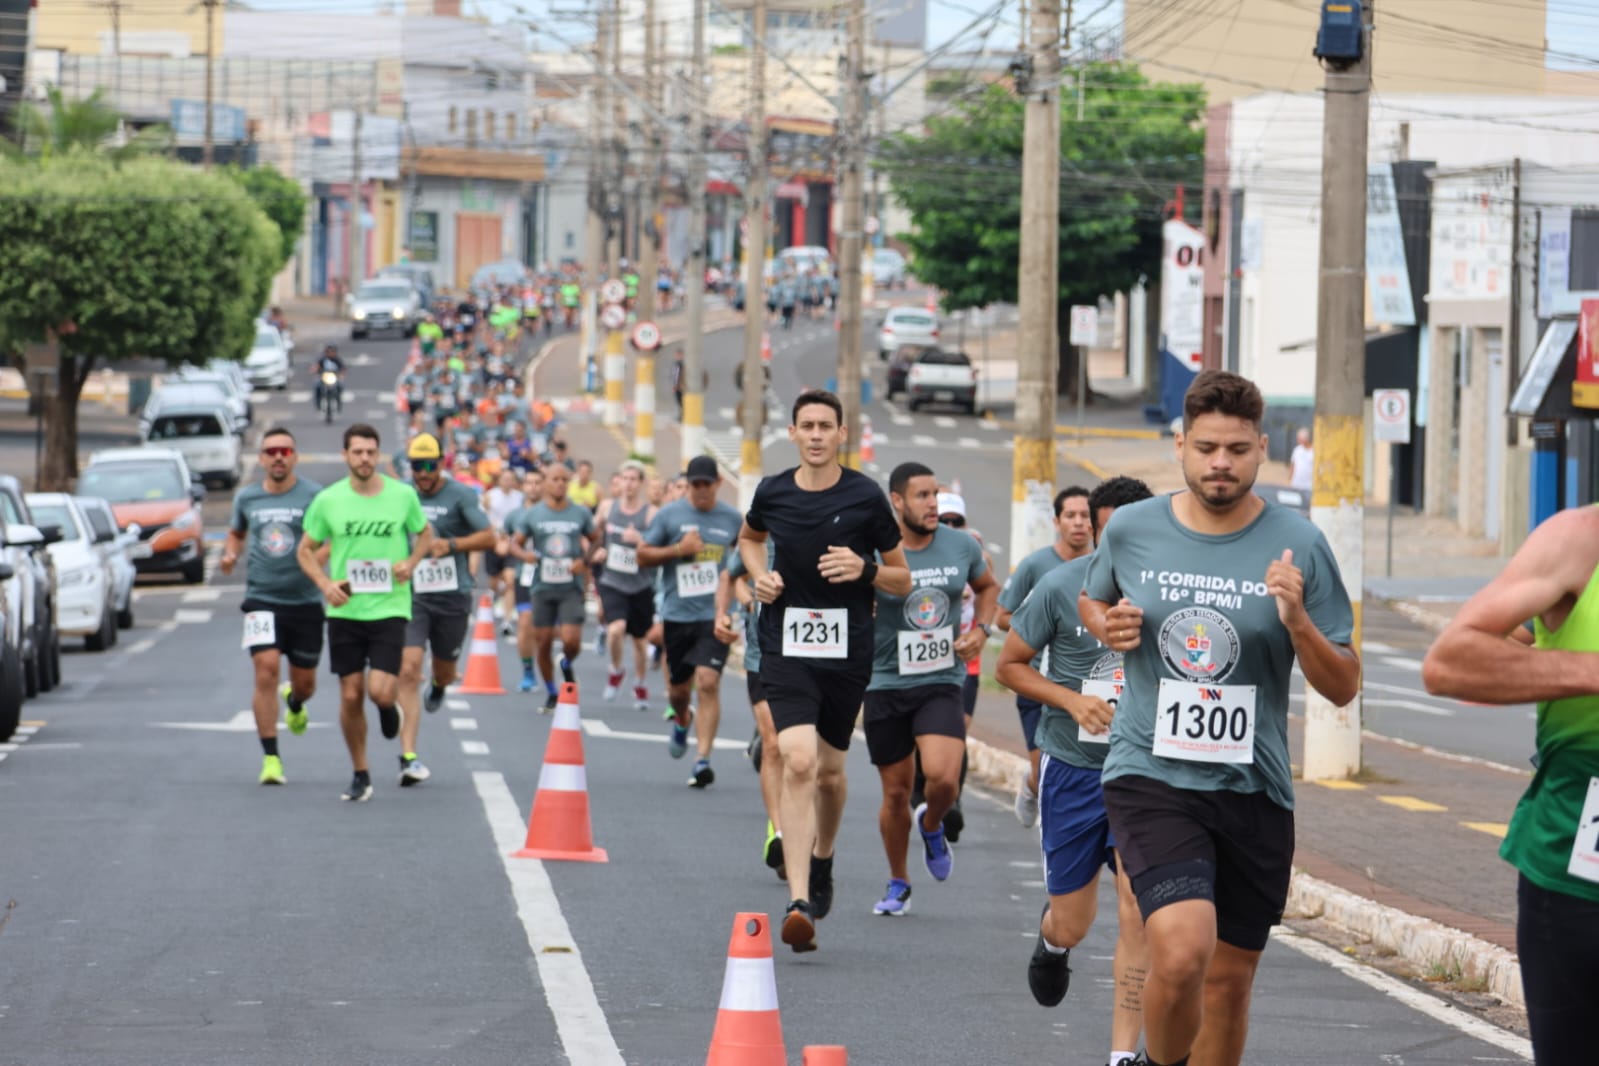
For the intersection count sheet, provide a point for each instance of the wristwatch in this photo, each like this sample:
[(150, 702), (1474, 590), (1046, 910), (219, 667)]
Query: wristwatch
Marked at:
[(984, 627)]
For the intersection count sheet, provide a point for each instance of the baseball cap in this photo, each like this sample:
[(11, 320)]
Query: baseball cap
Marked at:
[(702, 468), (423, 446), (951, 503)]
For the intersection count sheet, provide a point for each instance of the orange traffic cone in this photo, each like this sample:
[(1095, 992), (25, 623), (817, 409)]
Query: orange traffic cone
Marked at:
[(749, 1031), (483, 655), (868, 447), (825, 1055), (558, 827)]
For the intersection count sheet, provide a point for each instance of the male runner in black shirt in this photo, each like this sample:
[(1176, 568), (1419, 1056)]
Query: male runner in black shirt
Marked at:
[(816, 635)]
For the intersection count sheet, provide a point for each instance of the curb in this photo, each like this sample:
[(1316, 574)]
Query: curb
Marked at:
[(1421, 616), (1419, 941)]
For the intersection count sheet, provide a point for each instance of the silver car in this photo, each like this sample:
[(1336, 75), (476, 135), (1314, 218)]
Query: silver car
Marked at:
[(115, 545), (385, 303), (906, 325)]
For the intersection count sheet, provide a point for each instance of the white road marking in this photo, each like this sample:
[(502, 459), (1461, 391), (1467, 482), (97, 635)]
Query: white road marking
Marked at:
[(901, 420), (201, 596), (457, 705), (1397, 704), (465, 725), (1377, 647), (1417, 1000), (922, 440), (474, 747), (167, 627), (241, 722), (944, 422), (1401, 662), (300, 396), (142, 646), (988, 424), (25, 730), (968, 442), (48, 745), (184, 617), (595, 728), (726, 413), (569, 992)]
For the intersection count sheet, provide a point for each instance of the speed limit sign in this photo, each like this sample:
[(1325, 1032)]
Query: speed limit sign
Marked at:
[(1391, 416), (613, 291), (646, 336), (613, 316)]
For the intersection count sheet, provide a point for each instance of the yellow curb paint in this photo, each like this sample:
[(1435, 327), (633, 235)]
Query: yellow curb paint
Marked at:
[(1493, 829), (1093, 468), (1412, 804), (1338, 784)]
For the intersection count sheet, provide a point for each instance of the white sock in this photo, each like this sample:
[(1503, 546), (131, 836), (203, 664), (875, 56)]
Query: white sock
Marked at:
[(1053, 950), (1116, 1057)]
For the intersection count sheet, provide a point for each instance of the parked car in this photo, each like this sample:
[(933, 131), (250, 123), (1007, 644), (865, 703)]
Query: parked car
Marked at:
[(153, 488), (115, 544), (888, 268), (906, 325), (268, 365), (899, 367), (229, 378), (939, 376), (384, 303), (1286, 496), (12, 691), (87, 587), (420, 277), (202, 433), (30, 594)]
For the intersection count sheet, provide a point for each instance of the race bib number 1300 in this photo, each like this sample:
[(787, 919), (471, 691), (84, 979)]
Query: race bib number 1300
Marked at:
[(815, 634), (1205, 723)]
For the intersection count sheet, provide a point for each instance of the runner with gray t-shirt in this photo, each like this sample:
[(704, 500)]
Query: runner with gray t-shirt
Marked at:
[(551, 539), (626, 588)]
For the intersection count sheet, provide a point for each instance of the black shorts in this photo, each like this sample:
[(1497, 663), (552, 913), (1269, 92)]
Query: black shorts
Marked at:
[(969, 689), (552, 607), (690, 645), (495, 564), (801, 694), (895, 717), (637, 609), (1234, 848), (523, 594), (298, 628), (354, 646), (753, 686), (439, 622)]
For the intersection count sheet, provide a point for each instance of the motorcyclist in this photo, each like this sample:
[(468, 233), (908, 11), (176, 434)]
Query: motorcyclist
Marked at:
[(329, 362)]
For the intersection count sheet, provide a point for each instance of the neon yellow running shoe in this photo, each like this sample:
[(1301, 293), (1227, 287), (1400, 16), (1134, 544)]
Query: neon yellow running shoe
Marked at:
[(297, 720), (272, 770)]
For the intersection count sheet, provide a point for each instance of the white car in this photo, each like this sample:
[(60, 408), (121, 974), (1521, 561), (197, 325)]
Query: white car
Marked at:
[(228, 378), (267, 365), (117, 546), (202, 433), (906, 325), (85, 586)]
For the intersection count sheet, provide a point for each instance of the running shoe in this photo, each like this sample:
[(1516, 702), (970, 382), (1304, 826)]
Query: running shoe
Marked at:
[(613, 684), (434, 699), (389, 722), (412, 772), (799, 930), (599, 642), (772, 850), (296, 720), (527, 681), (507, 628), (935, 849), (677, 744), (1026, 806), (752, 752), (954, 824), (703, 774), (272, 770), (821, 887), (1136, 1060), (566, 671), (550, 701), (896, 901), (641, 696), (359, 791), (1048, 975)]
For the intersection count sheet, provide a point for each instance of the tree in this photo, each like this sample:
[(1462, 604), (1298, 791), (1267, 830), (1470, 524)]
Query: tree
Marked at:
[(281, 198), (961, 180), (89, 124), (150, 259)]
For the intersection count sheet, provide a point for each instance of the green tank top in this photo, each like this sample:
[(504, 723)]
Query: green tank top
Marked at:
[(1544, 831)]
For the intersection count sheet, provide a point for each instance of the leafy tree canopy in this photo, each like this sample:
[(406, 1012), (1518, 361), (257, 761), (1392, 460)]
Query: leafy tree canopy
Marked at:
[(282, 200), (90, 124)]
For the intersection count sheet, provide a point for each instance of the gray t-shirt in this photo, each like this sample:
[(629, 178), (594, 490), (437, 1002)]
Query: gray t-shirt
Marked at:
[(752, 614), (1014, 592), (271, 525), (453, 511), (1049, 619), (689, 585), (1210, 630), (554, 535), (622, 570), (912, 635)]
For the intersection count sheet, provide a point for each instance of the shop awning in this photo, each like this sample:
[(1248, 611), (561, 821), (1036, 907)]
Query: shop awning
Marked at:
[(1544, 391)]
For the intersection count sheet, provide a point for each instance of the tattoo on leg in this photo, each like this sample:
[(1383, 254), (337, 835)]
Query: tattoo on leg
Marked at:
[(1132, 989)]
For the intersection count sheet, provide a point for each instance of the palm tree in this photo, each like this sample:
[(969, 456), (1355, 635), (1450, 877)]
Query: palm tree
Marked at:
[(89, 124)]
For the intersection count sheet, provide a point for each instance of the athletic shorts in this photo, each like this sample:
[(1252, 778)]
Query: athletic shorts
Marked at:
[(522, 596), (1073, 824), (690, 645), (895, 717), (801, 694), (557, 607), (753, 686), (495, 564), (637, 609), (1031, 711), (298, 628), (1234, 848), (969, 689), (439, 623), (354, 646)]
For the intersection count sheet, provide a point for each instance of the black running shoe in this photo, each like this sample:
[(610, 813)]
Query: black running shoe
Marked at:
[(359, 791), (821, 887), (567, 674), (389, 722), (549, 704), (703, 774), (753, 752), (954, 822), (1048, 975), (799, 931), (434, 699)]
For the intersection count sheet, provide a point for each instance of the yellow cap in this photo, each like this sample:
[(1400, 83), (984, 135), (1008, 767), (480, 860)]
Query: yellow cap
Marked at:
[(423, 446)]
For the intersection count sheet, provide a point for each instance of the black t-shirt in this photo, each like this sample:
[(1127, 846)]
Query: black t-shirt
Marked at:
[(853, 514)]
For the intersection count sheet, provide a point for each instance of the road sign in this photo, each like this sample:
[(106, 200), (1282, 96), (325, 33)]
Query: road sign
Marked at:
[(646, 336), (1085, 326), (613, 291), (1391, 416), (613, 316)]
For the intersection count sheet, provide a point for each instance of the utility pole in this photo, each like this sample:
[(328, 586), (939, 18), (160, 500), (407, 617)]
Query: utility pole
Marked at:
[(618, 157), (1038, 287), (114, 7), (208, 153), (852, 224), (650, 180), (693, 439), (753, 403), (1337, 502), (594, 239), (357, 245)]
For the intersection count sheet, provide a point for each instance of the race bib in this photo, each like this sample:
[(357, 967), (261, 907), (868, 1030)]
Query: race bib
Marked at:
[(622, 559), (525, 578), (696, 579), (1585, 849), (370, 575), (926, 651), (815, 634), (553, 571), (1205, 723), (435, 575), (1111, 693), (260, 627)]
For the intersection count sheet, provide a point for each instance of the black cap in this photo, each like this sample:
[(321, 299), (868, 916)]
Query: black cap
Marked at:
[(702, 468)]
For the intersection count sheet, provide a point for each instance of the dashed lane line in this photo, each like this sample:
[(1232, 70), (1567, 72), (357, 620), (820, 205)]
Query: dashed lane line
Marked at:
[(464, 725), (192, 617), (1493, 829), (474, 747), (201, 596)]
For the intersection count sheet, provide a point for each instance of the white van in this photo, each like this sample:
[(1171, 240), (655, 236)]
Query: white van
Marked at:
[(203, 434)]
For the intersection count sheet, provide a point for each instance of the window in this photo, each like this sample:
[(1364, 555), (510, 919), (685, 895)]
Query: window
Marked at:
[(510, 126), (454, 119), (488, 125), (471, 128), (55, 514), (1584, 274), (99, 522)]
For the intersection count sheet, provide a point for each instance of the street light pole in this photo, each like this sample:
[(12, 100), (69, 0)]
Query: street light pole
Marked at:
[(753, 402), (852, 224), (693, 441)]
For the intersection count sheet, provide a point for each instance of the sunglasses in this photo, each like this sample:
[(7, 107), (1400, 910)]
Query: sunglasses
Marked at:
[(424, 466), (954, 521), (277, 452)]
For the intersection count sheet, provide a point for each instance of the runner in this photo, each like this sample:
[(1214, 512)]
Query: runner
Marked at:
[(522, 594), (1073, 539), (913, 704), (736, 593), (584, 490), (626, 587), (499, 503), (552, 539), (1212, 595), (1079, 698), (282, 610), (1483, 656), (690, 540), (441, 595), (816, 641), (366, 519)]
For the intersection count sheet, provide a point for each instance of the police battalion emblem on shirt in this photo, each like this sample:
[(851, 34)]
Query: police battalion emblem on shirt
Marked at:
[(1108, 667), (277, 538), (1199, 644), (927, 608), (557, 545)]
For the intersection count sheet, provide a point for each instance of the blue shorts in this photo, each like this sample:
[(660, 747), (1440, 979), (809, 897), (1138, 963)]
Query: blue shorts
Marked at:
[(1031, 711), (1073, 824)]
